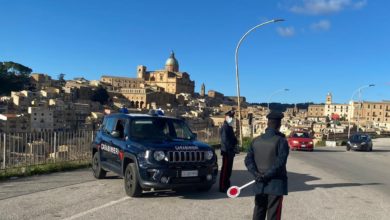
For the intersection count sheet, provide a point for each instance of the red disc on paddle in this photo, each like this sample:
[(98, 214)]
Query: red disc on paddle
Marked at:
[(233, 192)]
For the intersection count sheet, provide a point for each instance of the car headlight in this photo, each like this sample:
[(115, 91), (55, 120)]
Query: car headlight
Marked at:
[(159, 155), (209, 155), (363, 143), (311, 142), (295, 142)]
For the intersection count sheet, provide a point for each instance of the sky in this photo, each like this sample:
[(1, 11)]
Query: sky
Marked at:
[(322, 46)]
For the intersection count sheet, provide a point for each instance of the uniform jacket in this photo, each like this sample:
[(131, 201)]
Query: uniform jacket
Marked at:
[(228, 140), (268, 155)]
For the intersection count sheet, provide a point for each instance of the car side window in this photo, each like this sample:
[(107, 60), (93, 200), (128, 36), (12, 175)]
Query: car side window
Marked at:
[(120, 127), (102, 126), (109, 126)]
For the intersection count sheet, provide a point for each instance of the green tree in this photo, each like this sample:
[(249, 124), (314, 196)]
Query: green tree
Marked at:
[(61, 79), (100, 94), (13, 77)]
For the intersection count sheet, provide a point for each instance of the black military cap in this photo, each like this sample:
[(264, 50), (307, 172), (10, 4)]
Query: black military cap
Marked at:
[(230, 113), (275, 115)]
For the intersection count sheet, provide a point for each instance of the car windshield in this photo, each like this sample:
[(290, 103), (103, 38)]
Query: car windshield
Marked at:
[(358, 138), (300, 135), (159, 128)]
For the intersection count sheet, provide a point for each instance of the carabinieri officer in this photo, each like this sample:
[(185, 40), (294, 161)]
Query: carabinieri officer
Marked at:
[(266, 161), (228, 151)]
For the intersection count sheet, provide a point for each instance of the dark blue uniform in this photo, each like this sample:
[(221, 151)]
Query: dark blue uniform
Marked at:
[(228, 151), (266, 160)]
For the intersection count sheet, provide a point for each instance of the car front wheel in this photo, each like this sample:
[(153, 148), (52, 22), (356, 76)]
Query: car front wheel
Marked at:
[(348, 148), (132, 186), (97, 170)]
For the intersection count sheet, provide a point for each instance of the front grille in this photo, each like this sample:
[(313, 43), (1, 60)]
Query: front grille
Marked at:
[(186, 156)]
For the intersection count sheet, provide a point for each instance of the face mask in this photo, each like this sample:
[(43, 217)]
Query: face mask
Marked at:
[(229, 120)]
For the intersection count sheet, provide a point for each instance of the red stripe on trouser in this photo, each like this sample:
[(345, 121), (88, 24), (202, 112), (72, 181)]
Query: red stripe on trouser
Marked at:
[(279, 210), (223, 173)]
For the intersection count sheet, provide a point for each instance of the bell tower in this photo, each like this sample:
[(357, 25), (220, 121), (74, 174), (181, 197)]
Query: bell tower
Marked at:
[(329, 98), (141, 70)]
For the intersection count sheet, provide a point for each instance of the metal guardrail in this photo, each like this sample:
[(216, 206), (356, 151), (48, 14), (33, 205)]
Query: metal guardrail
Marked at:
[(208, 135), (19, 150), (28, 149)]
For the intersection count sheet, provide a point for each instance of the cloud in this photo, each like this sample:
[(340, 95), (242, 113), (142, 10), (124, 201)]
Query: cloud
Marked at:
[(322, 25), (286, 32), (319, 7), (360, 4)]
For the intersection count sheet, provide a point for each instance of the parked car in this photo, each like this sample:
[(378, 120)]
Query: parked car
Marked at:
[(300, 140), (151, 152), (359, 142)]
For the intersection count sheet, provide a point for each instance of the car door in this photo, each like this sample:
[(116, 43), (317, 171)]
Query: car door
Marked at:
[(119, 143), (106, 141)]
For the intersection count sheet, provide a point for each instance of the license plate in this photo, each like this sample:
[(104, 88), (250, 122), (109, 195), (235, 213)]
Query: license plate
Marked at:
[(189, 173), (303, 146), (355, 146)]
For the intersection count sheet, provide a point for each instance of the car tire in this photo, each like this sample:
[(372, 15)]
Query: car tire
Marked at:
[(97, 169), (131, 181), (205, 188), (348, 148)]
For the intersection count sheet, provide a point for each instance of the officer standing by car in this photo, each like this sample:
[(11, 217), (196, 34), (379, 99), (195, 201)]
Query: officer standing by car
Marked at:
[(228, 151), (266, 160)]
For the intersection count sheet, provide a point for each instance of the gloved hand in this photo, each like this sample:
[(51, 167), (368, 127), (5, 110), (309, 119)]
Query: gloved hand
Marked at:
[(258, 177), (261, 178)]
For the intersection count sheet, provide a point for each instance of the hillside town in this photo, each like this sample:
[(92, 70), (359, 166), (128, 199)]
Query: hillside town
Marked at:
[(47, 104)]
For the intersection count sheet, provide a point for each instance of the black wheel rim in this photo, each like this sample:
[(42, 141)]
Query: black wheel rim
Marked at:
[(129, 179)]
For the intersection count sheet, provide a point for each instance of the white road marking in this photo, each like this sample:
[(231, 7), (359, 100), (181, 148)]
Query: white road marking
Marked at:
[(97, 208)]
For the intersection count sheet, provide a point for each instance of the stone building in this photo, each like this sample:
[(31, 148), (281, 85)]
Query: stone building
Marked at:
[(40, 80), (13, 123), (144, 97), (215, 94), (371, 113), (41, 118), (316, 110), (341, 110), (159, 87)]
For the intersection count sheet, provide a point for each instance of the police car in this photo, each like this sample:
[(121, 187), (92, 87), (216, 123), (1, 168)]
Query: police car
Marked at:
[(152, 152)]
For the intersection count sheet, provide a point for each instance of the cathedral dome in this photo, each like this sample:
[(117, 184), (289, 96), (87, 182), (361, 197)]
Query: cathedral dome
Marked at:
[(172, 64)]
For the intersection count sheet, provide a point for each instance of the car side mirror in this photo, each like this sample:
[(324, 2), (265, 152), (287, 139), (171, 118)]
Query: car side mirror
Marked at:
[(115, 134)]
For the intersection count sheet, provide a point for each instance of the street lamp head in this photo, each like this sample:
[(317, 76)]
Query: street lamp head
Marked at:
[(278, 20), (286, 90), (371, 85)]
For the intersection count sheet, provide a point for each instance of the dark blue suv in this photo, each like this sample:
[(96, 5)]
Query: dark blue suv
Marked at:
[(152, 152)]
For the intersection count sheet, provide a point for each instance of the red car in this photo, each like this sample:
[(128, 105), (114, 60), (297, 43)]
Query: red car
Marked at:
[(300, 140)]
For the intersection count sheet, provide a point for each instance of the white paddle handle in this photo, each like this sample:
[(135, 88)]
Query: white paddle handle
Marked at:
[(248, 184)]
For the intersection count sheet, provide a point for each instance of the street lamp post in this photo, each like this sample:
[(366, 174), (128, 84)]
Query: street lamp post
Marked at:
[(359, 90), (237, 76), (274, 93)]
